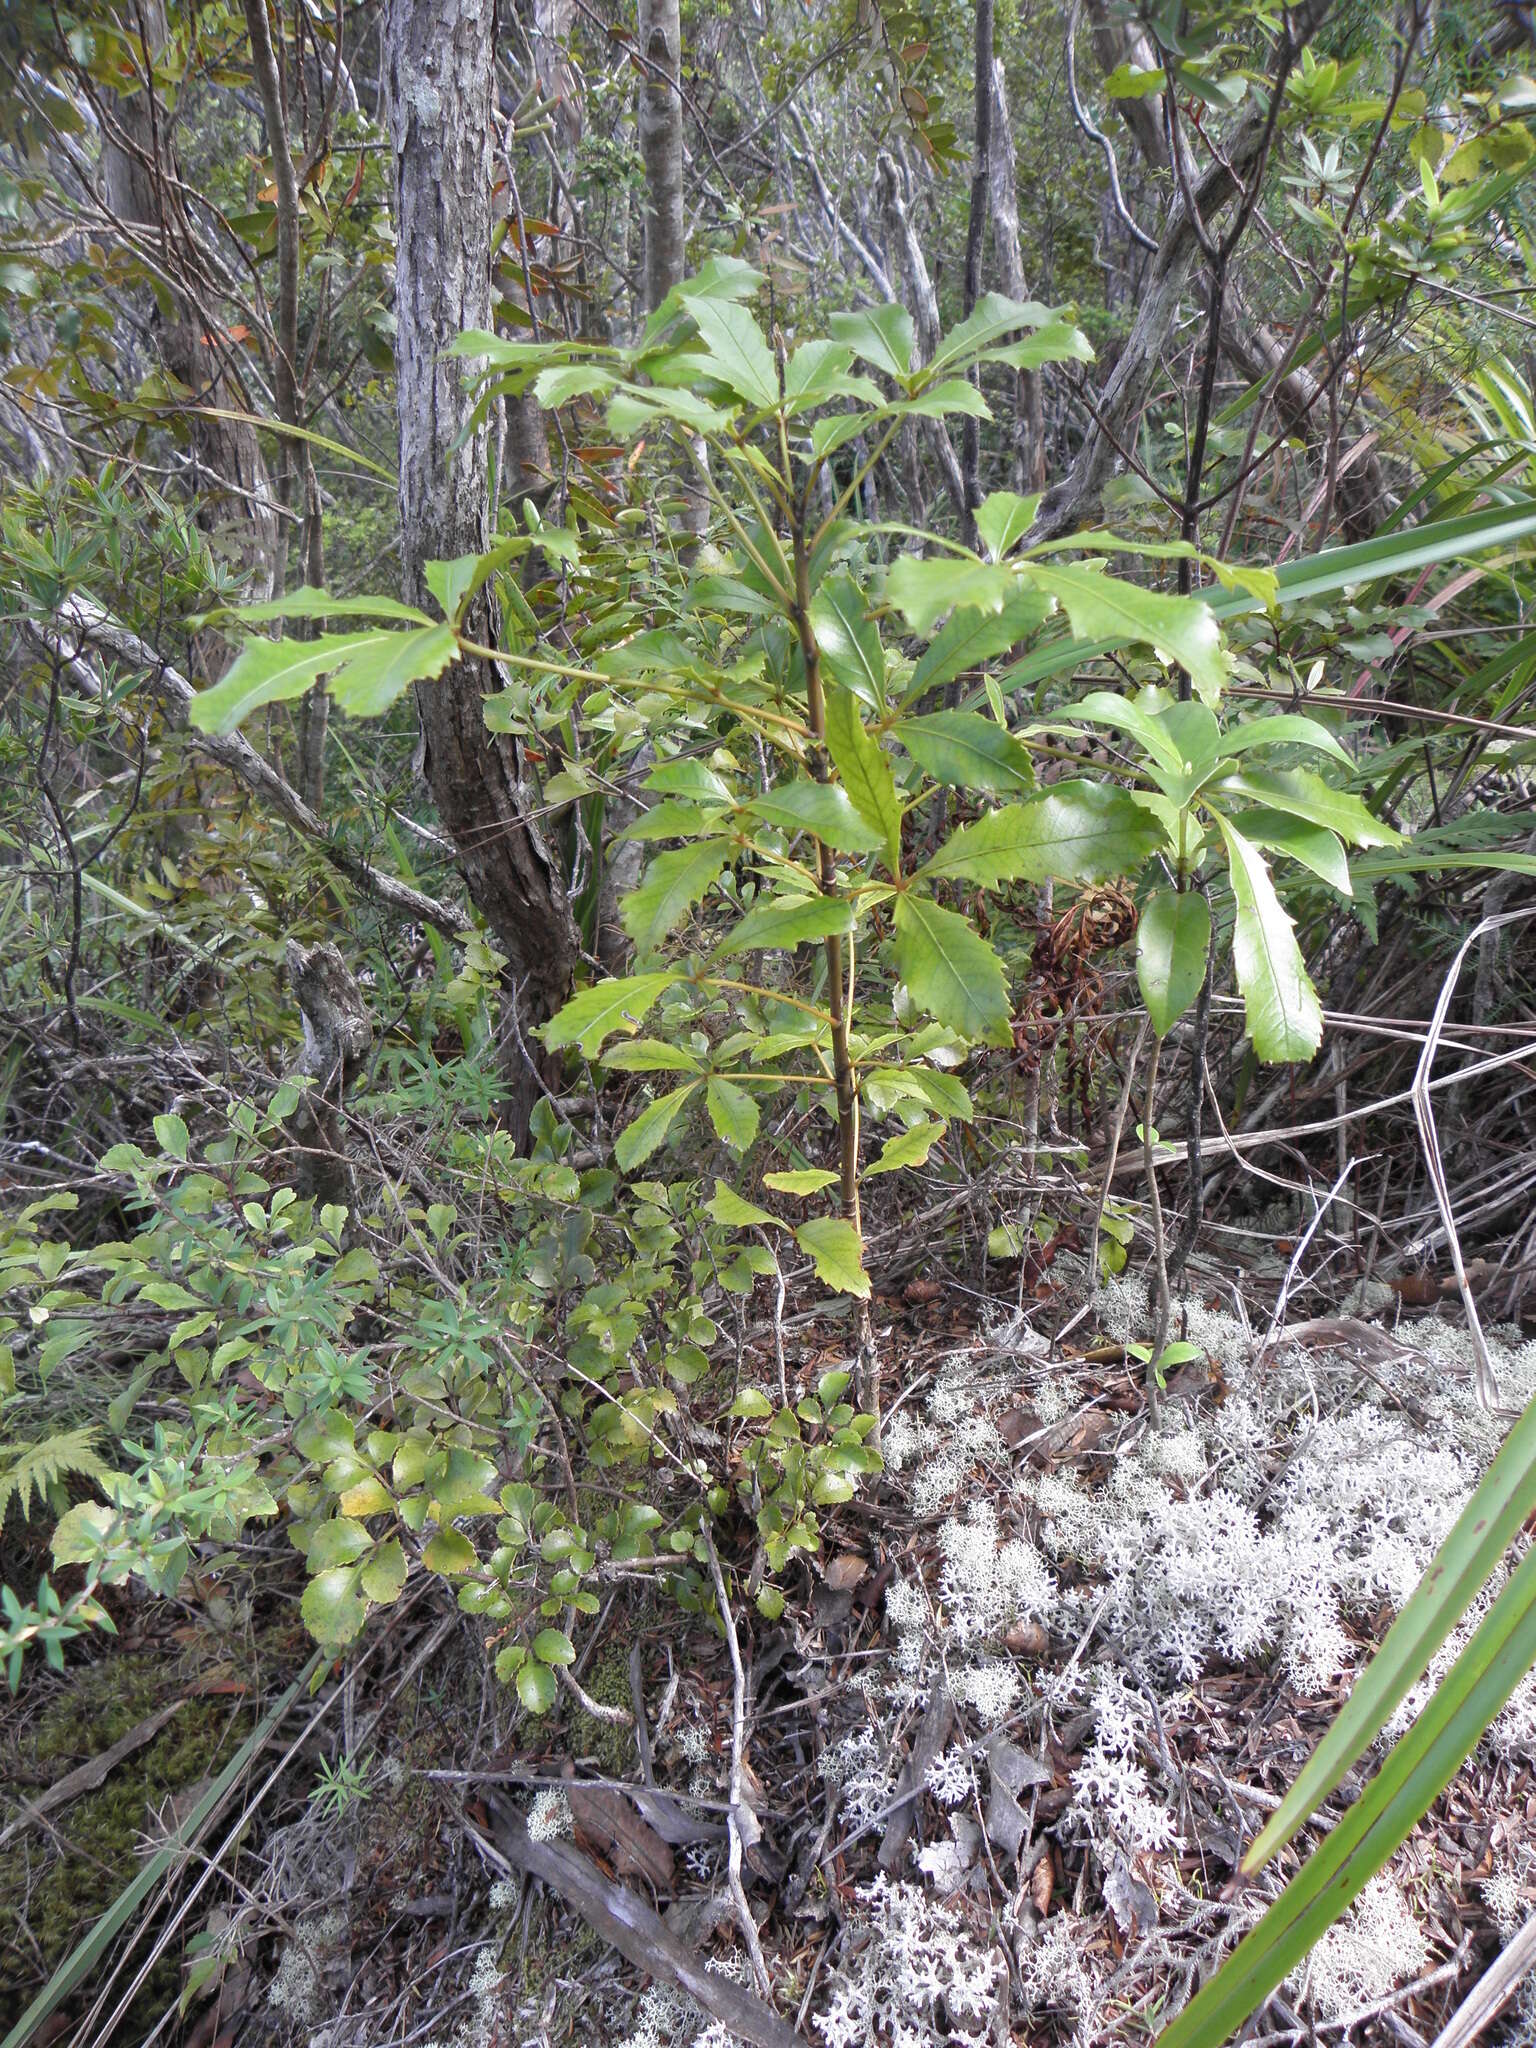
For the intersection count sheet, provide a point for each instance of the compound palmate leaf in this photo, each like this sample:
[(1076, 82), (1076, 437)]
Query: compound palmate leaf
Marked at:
[(1285, 1019), (951, 970)]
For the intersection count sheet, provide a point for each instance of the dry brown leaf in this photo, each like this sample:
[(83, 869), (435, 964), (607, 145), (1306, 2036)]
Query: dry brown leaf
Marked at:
[(845, 1572)]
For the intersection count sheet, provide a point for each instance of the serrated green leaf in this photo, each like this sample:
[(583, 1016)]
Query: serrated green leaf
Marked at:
[(1312, 845), (1103, 707), (751, 1405), (967, 751), (562, 382), (972, 637), (554, 1646), (924, 589), (1056, 343), (333, 1610), (952, 972), (1284, 1018), (1171, 944), (383, 1577), (1003, 518), (943, 1093), (819, 807), (1072, 832), (594, 1014), (907, 1148), (650, 1056), (271, 672), (732, 1112), (171, 1135), (992, 317), (1104, 607), (673, 883), (1282, 728), (683, 775), (726, 1206), (849, 640), (638, 1140), (309, 603), (1301, 794), (866, 773), (837, 1252), (784, 922), (370, 682), (800, 1180)]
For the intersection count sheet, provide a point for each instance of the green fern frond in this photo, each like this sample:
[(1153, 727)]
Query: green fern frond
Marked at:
[(40, 1467)]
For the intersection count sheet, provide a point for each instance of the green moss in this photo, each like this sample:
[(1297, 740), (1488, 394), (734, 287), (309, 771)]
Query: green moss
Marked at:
[(613, 1748), (54, 1886)]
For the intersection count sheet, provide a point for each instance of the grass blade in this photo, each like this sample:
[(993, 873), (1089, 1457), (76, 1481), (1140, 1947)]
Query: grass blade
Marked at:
[(84, 1957), (1461, 1566), (1418, 1770)]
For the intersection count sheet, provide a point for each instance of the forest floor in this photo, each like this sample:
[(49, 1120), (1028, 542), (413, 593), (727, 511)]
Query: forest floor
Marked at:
[(994, 1765)]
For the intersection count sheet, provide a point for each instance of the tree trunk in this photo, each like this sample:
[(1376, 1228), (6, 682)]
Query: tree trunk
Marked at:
[(661, 146), (661, 150), (438, 86), (1002, 179), (141, 185)]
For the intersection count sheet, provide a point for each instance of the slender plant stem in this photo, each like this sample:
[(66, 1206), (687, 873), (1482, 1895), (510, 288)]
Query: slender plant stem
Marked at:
[(1159, 1243)]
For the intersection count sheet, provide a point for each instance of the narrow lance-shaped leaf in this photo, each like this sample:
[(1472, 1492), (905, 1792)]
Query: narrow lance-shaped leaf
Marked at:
[(1461, 1567), (1285, 1020), (865, 772), (1421, 1765)]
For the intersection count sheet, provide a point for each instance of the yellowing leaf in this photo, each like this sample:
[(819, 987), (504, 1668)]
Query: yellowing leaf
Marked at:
[(837, 1252)]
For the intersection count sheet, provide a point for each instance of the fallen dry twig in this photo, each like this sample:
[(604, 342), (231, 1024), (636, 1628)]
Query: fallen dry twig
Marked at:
[(630, 1926)]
